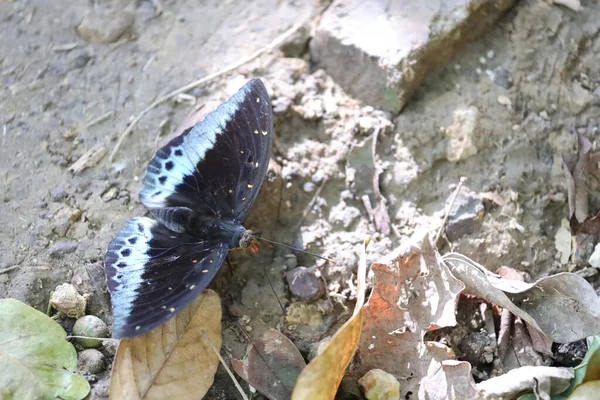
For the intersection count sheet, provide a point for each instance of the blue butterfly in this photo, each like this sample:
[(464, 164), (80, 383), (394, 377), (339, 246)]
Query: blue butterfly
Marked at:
[(199, 188)]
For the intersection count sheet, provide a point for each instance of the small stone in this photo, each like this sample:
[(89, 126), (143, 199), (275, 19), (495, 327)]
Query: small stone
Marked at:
[(505, 101), (304, 284), (380, 385), (482, 60), (58, 193), (594, 259), (80, 60), (64, 218), (308, 187), (105, 26), (67, 300), (502, 78), (62, 247), (465, 216), (490, 54), (463, 134), (110, 194), (91, 361), (291, 261), (90, 326), (236, 309)]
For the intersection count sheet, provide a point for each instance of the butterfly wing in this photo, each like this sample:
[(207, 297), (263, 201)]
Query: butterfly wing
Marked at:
[(217, 167), (153, 273)]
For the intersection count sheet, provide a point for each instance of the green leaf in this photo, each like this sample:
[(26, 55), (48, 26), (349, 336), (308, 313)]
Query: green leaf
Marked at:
[(35, 359), (581, 369)]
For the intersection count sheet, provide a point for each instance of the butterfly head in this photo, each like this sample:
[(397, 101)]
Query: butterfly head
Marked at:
[(248, 241)]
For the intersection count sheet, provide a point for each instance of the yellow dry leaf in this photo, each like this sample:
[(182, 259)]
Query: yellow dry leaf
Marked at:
[(173, 360), (322, 376)]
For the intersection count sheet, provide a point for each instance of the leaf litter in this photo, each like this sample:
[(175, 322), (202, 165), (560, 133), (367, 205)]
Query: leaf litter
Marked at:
[(271, 365), (173, 360)]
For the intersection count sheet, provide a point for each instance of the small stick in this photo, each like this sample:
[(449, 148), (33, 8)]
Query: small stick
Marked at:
[(235, 382), (91, 337), (310, 204), (280, 39), (101, 118), (5, 270), (439, 232)]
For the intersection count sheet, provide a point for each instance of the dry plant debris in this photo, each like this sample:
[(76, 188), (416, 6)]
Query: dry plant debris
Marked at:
[(173, 360)]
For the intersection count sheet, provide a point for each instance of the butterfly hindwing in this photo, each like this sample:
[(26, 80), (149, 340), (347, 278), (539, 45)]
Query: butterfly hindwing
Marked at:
[(153, 273), (217, 167)]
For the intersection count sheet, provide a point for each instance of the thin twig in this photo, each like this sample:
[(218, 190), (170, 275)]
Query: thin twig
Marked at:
[(310, 204), (101, 118), (280, 39), (212, 346), (5, 270), (439, 232), (91, 337)]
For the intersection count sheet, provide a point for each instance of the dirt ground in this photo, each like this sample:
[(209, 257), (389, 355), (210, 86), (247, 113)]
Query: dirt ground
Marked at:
[(54, 86)]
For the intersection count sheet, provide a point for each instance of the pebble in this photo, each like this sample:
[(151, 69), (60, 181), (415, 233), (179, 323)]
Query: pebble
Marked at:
[(502, 78), (308, 187), (105, 26), (110, 194), (91, 326), (67, 300), (594, 259), (466, 215), (62, 247), (58, 193), (91, 361), (380, 385), (304, 284)]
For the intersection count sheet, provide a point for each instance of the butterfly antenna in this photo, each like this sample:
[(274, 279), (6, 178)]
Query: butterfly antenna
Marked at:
[(331, 260), (275, 293)]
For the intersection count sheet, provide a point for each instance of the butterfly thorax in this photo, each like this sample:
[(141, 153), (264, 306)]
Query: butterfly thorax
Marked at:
[(215, 229)]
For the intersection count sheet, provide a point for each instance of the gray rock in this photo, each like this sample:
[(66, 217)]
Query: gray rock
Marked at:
[(105, 26), (304, 284), (58, 193), (91, 361), (62, 247), (502, 78), (466, 215), (380, 52)]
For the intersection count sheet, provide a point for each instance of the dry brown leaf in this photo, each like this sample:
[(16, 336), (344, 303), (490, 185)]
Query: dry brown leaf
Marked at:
[(564, 307), (173, 360), (576, 176), (453, 380), (322, 376), (413, 292), (272, 365)]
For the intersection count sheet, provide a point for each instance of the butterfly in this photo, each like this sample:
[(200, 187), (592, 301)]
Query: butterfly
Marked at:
[(199, 188)]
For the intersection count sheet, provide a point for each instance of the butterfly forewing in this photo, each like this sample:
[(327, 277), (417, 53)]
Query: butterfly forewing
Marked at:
[(153, 273), (217, 167)]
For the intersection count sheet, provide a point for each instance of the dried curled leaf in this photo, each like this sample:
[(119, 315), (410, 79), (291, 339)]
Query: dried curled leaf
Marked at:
[(576, 177), (272, 365), (322, 376), (413, 292), (35, 359), (564, 306), (453, 380), (173, 360)]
